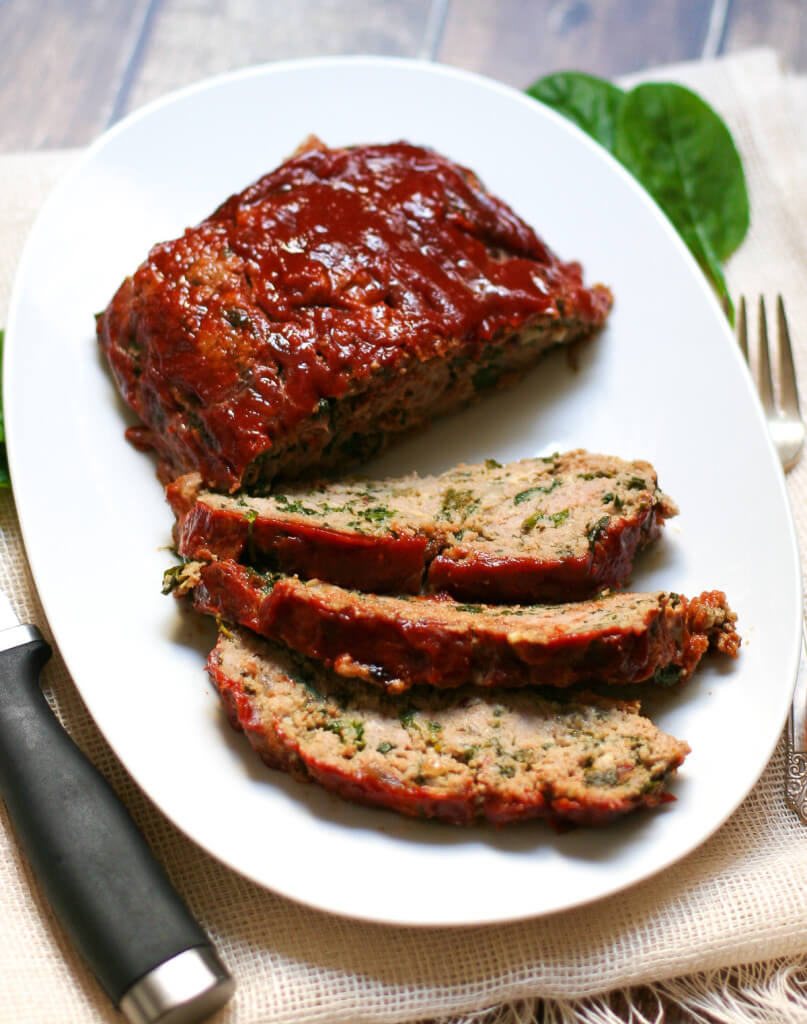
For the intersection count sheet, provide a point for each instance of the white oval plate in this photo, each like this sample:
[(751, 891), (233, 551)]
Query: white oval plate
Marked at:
[(663, 382)]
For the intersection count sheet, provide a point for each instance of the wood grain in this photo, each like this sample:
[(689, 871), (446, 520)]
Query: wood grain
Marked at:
[(781, 24), (191, 39), (62, 65), (71, 66), (517, 41)]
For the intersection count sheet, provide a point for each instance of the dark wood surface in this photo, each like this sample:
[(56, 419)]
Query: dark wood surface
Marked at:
[(71, 68)]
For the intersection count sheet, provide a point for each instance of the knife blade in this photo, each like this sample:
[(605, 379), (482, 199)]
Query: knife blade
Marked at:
[(102, 880)]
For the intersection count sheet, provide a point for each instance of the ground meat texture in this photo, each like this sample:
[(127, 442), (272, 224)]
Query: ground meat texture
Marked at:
[(345, 297), (358, 533), (461, 756), (398, 642), (543, 529)]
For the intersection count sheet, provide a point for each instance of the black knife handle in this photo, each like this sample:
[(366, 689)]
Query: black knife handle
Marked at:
[(104, 884)]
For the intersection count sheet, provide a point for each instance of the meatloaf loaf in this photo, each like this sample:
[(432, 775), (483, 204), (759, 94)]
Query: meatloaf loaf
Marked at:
[(399, 642), (459, 757), (543, 529), (346, 296)]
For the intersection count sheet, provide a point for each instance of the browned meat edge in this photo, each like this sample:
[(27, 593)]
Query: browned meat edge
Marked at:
[(458, 756), (398, 642), (558, 528)]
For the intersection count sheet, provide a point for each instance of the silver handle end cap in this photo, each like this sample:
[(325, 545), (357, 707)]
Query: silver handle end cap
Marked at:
[(187, 988)]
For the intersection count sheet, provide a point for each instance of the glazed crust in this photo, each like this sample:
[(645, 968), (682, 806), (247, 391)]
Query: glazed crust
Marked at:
[(347, 296), (396, 642)]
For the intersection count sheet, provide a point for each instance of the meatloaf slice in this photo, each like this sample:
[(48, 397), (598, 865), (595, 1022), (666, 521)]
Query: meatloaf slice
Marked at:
[(346, 296), (542, 529), (460, 756), (399, 642)]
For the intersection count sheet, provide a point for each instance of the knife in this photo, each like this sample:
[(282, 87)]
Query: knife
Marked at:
[(99, 875)]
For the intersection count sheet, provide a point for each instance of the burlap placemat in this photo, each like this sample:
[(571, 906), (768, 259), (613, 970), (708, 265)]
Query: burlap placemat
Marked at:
[(740, 899)]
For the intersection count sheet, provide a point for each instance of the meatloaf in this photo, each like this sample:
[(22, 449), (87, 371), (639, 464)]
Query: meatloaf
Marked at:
[(399, 642), (346, 296), (459, 757), (544, 529)]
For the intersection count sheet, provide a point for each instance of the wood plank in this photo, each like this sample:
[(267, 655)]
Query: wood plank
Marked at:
[(62, 66), (517, 41), (191, 39), (781, 24)]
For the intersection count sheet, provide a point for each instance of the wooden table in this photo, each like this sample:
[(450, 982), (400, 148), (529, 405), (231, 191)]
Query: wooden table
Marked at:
[(71, 68)]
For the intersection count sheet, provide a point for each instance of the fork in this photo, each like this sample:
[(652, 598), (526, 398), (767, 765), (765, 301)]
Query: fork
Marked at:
[(787, 430)]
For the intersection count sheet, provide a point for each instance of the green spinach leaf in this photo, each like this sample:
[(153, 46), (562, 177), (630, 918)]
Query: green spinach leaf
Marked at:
[(676, 146), (683, 154), (592, 103)]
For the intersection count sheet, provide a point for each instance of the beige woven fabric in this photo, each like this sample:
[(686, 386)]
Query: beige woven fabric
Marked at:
[(740, 898)]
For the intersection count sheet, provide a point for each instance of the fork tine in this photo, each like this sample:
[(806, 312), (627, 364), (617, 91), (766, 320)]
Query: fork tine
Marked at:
[(787, 428), (765, 378), (742, 328), (788, 394)]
